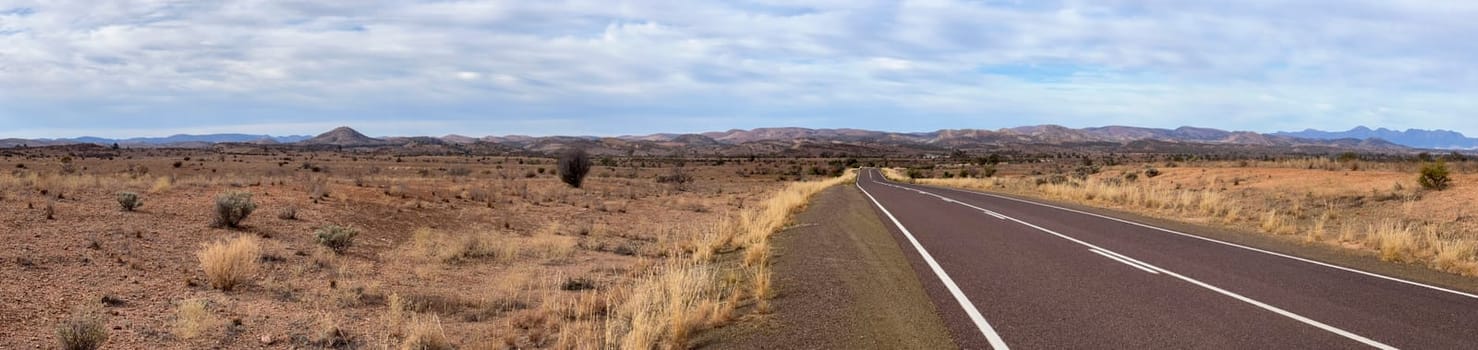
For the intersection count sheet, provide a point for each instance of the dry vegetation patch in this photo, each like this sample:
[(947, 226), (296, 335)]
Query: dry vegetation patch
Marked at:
[(446, 251)]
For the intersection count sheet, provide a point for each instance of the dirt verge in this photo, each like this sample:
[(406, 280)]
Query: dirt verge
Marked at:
[(841, 282)]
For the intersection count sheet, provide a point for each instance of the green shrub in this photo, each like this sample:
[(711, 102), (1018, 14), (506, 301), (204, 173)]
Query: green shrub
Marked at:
[(335, 237), (1434, 176), (232, 208), (129, 201)]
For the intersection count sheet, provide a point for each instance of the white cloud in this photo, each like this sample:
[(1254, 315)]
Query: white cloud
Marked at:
[(622, 67)]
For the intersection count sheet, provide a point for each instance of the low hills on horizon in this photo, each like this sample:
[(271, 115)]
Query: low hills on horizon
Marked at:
[(786, 140)]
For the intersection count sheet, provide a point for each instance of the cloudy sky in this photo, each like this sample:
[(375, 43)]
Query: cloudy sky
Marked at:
[(604, 67)]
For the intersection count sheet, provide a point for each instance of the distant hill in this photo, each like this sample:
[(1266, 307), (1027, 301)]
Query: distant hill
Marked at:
[(344, 136), (1437, 139)]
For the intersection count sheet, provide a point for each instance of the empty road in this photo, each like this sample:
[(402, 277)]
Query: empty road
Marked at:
[(1008, 273)]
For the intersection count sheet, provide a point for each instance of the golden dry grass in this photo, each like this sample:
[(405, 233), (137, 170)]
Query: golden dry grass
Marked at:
[(451, 248), (230, 263), (425, 333), (667, 306), (193, 319)]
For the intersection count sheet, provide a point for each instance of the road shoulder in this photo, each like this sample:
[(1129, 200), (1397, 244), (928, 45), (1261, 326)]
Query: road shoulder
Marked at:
[(841, 282)]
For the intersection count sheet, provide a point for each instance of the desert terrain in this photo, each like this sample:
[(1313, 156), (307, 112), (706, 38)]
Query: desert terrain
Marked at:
[(366, 250)]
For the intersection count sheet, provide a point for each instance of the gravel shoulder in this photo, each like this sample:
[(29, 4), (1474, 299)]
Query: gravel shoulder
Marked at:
[(842, 281)]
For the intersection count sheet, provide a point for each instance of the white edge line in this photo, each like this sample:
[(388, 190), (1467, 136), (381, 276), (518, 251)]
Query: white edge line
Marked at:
[(1315, 262), (1126, 262), (990, 333), (1274, 309)]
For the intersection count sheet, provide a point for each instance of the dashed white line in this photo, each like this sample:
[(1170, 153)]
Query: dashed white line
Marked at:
[(1126, 262)]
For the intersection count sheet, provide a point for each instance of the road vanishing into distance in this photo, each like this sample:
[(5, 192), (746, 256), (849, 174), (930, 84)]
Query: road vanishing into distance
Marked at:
[(1009, 273)]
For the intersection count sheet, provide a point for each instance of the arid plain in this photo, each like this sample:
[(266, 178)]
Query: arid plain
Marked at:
[(465, 251)]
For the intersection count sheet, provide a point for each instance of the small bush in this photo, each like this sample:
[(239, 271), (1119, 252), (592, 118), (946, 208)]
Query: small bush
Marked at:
[(574, 164), (577, 284), (228, 264), (232, 208), (335, 237), (916, 174), (288, 213), (1151, 172), (129, 201), (678, 178), (85, 329), (1434, 176)]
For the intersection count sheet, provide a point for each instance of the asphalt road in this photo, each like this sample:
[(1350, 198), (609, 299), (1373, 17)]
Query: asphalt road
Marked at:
[(1008, 273)]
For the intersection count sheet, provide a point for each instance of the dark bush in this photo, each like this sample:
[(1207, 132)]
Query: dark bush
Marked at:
[(574, 164), (1151, 172), (577, 284), (232, 208), (1434, 176), (916, 174), (678, 178)]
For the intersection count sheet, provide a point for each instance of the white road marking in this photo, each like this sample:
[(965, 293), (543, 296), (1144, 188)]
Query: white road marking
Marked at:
[(990, 333), (1126, 262), (1122, 256), (1337, 267), (1274, 309)]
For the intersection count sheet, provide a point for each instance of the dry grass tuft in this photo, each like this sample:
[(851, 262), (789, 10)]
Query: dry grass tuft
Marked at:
[(161, 185), (193, 318), (1456, 256), (761, 278), (85, 329), (425, 334), (1274, 223), (1394, 241), (457, 248), (229, 264)]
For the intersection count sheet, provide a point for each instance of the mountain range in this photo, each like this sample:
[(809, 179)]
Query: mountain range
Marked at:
[(179, 140), (803, 141), (1417, 138)]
